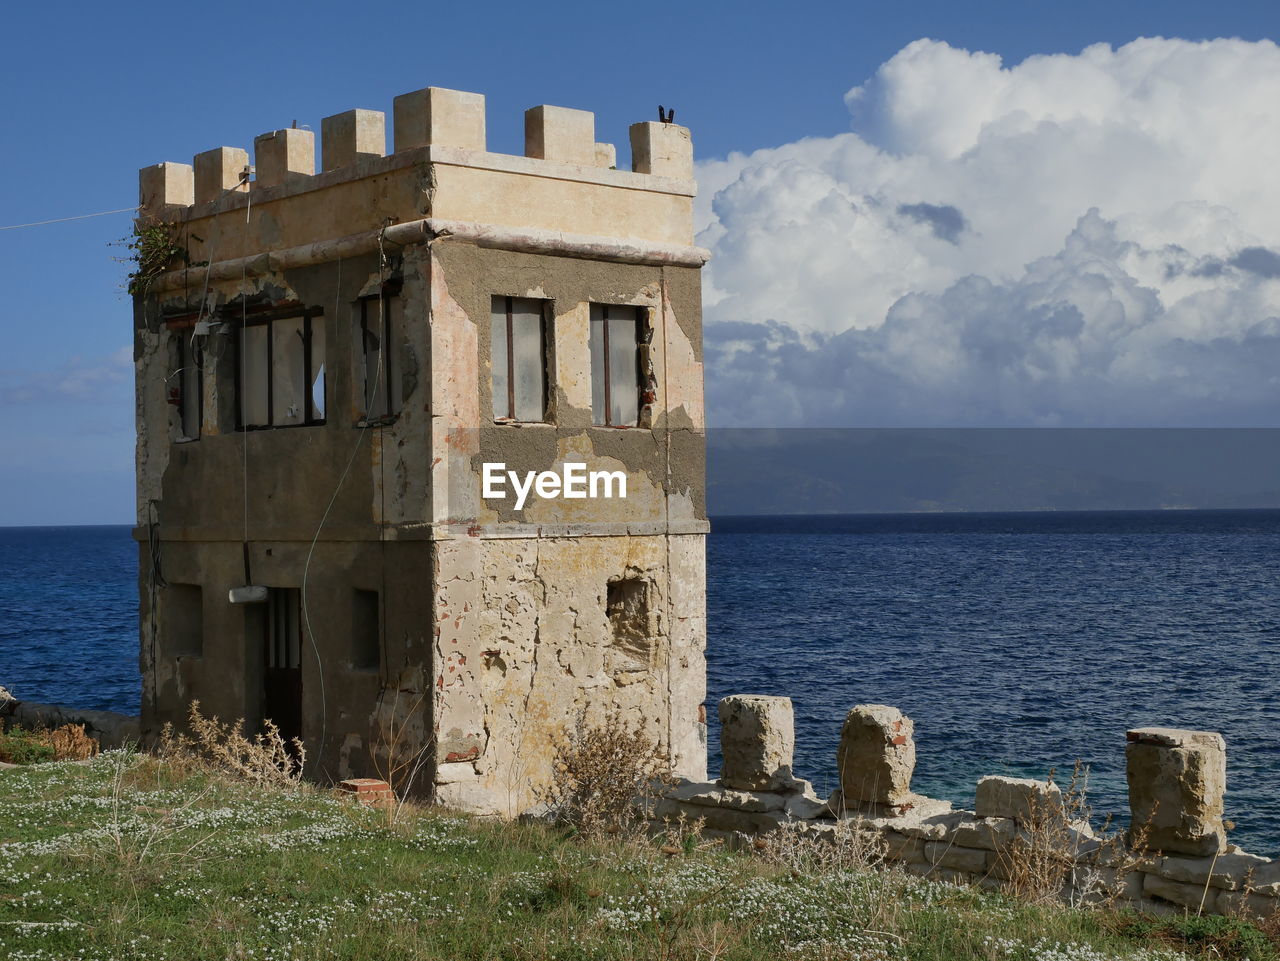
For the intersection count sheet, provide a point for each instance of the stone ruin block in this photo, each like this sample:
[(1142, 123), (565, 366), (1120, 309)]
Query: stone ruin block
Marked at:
[(1176, 783), (1023, 799), (757, 741), (877, 755)]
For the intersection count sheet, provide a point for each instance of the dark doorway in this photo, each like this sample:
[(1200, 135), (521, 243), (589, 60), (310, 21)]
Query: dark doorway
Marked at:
[(282, 677)]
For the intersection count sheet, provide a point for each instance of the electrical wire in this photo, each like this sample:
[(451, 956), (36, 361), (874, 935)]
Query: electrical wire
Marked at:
[(63, 220), (342, 479)]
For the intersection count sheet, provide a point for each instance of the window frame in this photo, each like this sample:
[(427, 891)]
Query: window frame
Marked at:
[(189, 356), (284, 628), (392, 405), (266, 318), (640, 315), (544, 359)]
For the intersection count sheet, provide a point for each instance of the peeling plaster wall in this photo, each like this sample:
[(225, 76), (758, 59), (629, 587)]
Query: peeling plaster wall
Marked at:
[(494, 623), (541, 658), (524, 647)]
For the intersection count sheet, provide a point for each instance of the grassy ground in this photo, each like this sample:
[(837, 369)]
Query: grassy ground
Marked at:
[(126, 857)]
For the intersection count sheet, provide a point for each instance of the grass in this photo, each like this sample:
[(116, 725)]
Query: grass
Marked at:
[(20, 746), (67, 743), (129, 857)]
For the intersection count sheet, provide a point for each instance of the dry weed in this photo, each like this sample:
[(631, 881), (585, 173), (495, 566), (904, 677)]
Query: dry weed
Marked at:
[(1038, 863), (1056, 854), (395, 758), (71, 743), (603, 777), (1268, 924), (851, 847), (264, 760), (133, 847)]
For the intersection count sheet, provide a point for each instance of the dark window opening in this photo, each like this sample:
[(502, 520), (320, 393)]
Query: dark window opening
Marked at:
[(280, 372), (189, 386), (518, 359), (282, 678), (615, 365), (631, 619), (182, 620), (366, 636), (379, 337)]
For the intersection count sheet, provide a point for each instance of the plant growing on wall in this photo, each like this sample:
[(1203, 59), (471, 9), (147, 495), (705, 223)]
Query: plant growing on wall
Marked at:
[(153, 247)]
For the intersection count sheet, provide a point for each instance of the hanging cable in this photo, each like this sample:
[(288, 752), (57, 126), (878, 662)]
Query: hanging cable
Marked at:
[(64, 220), (342, 479)]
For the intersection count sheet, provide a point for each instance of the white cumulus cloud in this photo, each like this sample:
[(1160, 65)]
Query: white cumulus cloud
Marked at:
[(1084, 239)]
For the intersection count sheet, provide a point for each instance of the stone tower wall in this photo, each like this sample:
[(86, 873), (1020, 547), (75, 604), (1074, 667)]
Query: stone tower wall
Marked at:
[(495, 638)]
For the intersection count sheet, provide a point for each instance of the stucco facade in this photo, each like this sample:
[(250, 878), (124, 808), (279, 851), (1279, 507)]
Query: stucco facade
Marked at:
[(316, 404)]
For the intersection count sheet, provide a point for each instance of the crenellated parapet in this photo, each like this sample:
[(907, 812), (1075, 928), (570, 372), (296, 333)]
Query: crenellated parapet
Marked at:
[(337, 354), (439, 166)]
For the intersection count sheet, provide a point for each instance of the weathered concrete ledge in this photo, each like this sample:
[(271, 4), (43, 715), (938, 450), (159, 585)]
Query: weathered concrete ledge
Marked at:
[(442, 532), (492, 236), (110, 729), (1174, 858)]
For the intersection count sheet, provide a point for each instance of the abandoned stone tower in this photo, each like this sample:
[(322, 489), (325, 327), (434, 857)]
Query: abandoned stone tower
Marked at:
[(343, 378)]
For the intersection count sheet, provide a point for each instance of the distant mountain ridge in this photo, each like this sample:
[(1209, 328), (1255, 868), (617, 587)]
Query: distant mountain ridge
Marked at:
[(819, 471)]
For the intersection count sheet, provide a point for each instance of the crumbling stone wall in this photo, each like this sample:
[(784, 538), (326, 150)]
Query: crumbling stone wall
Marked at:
[(1174, 858)]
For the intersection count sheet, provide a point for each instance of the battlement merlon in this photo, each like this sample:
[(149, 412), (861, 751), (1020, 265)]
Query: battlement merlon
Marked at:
[(440, 170)]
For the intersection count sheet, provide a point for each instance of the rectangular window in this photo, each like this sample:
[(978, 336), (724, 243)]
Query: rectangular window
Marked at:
[(182, 620), (190, 384), (366, 637), (281, 371), (519, 359), (379, 336), (615, 365)]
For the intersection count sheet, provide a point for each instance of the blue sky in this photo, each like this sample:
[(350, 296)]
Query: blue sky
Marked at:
[(96, 91)]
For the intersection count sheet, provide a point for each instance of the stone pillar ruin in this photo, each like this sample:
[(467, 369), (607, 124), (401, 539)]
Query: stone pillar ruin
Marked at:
[(877, 755), (1022, 799), (1176, 783), (757, 741)]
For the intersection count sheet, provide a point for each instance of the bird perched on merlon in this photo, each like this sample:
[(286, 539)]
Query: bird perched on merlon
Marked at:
[(666, 116)]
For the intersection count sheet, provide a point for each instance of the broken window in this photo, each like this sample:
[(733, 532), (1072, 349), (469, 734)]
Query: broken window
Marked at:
[(379, 336), (190, 384), (366, 647), (182, 620), (281, 371), (519, 359), (615, 365)]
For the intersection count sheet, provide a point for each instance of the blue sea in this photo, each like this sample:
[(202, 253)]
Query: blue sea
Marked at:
[(1019, 643)]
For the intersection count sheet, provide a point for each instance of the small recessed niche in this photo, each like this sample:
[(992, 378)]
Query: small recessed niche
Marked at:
[(629, 608)]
